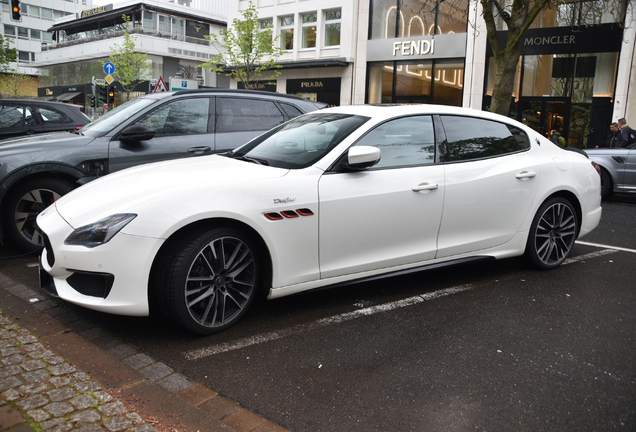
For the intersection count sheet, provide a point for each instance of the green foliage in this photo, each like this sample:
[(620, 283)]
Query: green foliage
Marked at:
[(7, 54), (580, 125), (131, 65), (245, 49)]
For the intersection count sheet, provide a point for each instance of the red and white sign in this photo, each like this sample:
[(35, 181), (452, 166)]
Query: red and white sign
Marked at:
[(160, 87)]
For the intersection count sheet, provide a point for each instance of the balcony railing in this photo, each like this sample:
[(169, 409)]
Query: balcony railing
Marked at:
[(82, 38)]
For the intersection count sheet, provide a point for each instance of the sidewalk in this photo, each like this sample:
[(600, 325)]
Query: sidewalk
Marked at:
[(60, 373)]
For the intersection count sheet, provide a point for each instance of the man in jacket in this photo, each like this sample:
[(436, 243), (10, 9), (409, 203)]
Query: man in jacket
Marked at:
[(627, 135)]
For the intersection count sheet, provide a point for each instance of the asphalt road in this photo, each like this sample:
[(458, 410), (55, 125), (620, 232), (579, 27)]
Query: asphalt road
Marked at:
[(493, 346)]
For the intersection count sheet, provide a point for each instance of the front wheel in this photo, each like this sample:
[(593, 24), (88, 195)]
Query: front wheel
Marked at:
[(607, 187), (552, 234), (208, 280)]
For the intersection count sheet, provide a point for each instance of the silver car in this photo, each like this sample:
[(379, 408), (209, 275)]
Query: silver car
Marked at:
[(37, 170), (618, 168)]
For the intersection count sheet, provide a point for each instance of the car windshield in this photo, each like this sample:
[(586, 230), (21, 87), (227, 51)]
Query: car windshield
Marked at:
[(114, 118), (300, 142)]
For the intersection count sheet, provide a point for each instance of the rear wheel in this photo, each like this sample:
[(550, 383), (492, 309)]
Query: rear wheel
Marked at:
[(25, 203), (208, 280), (607, 187), (552, 234)]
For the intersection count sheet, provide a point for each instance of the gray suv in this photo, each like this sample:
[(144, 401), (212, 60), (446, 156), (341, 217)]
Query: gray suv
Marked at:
[(37, 170)]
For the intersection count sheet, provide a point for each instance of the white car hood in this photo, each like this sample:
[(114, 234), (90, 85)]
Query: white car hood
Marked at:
[(121, 191)]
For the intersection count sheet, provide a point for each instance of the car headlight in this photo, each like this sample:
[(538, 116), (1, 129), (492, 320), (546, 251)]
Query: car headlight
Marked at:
[(99, 232)]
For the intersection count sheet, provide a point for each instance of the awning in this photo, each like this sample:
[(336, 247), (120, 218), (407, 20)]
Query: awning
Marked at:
[(67, 96)]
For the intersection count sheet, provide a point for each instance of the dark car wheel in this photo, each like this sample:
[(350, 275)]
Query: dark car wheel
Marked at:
[(25, 203), (208, 280), (552, 234), (607, 187)]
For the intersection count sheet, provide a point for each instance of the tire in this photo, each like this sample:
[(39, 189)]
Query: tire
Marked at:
[(208, 279), (552, 234), (607, 186), (25, 203)]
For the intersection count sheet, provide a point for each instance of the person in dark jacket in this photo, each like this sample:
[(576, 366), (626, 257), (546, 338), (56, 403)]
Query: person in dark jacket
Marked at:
[(613, 138)]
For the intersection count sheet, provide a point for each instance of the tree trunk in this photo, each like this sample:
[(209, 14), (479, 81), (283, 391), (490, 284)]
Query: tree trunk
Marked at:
[(507, 62)]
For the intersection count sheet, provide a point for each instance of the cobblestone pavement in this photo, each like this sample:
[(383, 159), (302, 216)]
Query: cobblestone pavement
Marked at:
[(47, 357), (44, 391)]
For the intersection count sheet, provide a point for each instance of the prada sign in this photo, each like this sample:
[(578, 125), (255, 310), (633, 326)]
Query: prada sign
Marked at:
[(568, 40), (417, 47), (313, 85)]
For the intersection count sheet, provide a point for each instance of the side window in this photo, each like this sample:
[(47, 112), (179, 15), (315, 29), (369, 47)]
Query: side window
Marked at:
[(470, 138), (16, 116), (180, 117), (243, 114), (405, 141), (51, 116), (291, 110)]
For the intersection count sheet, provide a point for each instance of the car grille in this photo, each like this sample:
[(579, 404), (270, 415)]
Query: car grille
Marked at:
[(91, 284)]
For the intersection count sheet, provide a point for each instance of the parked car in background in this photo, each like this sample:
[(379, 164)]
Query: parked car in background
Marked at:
[(618, 168), (332, 197), (35, 171), (28, 117)]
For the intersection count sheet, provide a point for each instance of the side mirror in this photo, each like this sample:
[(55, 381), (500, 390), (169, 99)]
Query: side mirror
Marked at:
[(137, 132), (360, 158)]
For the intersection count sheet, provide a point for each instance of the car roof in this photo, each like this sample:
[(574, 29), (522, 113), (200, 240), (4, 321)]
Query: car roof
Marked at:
[(216, 91), (392, 110), (36, 102)]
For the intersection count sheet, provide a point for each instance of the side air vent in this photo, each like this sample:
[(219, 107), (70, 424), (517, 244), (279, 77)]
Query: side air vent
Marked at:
[(91, 284)]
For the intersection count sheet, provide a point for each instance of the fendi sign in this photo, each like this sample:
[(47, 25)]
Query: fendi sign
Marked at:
[(417, 47)]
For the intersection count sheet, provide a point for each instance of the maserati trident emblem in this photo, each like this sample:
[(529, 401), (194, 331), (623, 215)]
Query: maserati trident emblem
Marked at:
[(284, 200)]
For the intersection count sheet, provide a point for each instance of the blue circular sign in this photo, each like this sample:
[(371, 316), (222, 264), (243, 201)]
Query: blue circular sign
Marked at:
[(109, 68)]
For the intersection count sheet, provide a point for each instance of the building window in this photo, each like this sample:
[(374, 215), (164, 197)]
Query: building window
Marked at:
[(9, 30), (150, 20), (34, 11), (47, 14), (164, 24), (178, 26), (266, 25), (57, 14), (309, 30), (32, 56), (35, 34), (332, 27), (47, 37), (24, 56), (23, 33), (287, 33)]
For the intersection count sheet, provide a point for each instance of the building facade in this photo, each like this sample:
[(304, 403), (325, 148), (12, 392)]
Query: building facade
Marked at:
[(172, 35), (574, 74)]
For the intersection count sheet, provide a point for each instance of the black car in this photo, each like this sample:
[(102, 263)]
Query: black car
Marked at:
[(27, 117), (37, 170)]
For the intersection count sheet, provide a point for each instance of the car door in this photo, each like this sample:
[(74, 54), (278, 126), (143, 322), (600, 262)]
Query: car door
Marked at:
[(17, 120), (629, 177), (490, 180), (182, 129), (239, 119), (388, 215)]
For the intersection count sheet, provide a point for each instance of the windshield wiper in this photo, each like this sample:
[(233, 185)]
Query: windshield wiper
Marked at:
[(253, 160)]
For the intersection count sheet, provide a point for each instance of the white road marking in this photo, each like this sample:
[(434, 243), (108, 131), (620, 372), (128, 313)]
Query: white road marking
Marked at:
[(266, 337), (245, 342), (606, 246), (589, 256)]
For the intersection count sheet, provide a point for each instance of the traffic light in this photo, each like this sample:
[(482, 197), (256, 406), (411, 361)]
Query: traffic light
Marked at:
[(93, 101), (15, 10), (102, 95), (111, 97)]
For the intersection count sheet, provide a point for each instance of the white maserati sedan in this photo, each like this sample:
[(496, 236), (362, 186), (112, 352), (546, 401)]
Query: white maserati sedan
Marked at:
[(332, 197)]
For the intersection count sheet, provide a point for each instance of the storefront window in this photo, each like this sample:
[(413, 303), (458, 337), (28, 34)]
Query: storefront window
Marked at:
[(569, 13), (449, 83), (332, 27), (287, 33), (423, 81), (548, 75), (391, 19), (383, 19), (309, 30)]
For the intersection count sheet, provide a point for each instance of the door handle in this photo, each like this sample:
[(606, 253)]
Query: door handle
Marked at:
[(526, 175), (199, 150), (425, 187)]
